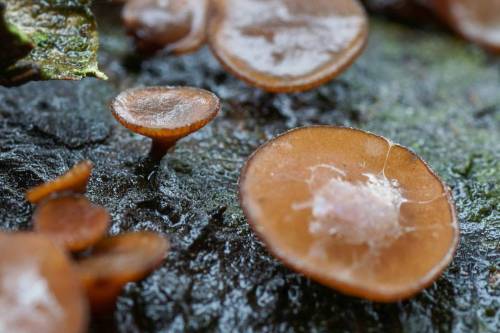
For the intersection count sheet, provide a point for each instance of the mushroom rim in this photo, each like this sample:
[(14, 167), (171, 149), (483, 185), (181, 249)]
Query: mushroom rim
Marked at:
[(86, 165), (89, 279), (442, 9), (343, 285), (299, 83), (78, 245), (176, 133)]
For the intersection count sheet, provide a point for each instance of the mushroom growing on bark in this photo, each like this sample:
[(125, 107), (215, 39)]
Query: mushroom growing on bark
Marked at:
[(178, 25), (351, 210), (287, 45), (165, 114)]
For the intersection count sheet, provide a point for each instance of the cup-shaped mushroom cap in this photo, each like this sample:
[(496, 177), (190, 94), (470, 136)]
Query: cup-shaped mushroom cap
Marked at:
[(179, 25), (71, 221), (287, 45), (118, 260), (165, 113), (39, 289), (351, 210), (74, 180), (475, 20)]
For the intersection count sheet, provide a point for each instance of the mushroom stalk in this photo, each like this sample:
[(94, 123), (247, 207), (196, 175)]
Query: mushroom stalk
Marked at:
[(160, 148)]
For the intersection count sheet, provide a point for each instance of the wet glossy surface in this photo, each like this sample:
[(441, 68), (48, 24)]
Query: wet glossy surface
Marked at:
[(219, 276), (75, 180), (165, 112), (179, 25), (287, 45), (71, 221), (117, 260), (39, 290), (351, 210), (476, 20)]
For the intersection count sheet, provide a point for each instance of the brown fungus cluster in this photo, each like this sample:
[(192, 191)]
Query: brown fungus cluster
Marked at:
[(276, 45), (165, 114), (43, 288), (292, 45), (351, 210)]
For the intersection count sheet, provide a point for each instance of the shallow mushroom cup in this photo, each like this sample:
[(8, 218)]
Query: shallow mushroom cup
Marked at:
[(351, 210), (165, 114)]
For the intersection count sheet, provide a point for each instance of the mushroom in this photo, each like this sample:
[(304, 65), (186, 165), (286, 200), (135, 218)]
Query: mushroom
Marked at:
[(287, 45), (351, 210), (179, 25), (74, 180), (118, 260), (71, 221), (475, 20), (39, 289), (165, 114)]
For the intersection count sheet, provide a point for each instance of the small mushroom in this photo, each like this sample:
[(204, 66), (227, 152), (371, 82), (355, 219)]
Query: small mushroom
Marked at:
[(179, 25), (287, 45), (118, 260), (39, 289), (165, 114), (71, 221), (475, 20), (351, 210), (74, 180)]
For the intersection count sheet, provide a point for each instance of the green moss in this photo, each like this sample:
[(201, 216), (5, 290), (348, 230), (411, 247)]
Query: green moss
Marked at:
[(64, 37)]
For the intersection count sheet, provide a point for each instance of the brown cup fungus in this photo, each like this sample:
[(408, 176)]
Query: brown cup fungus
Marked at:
[(118, 260), (71, 221), (178, 25), (475, 20), (287, 45), (74, 180), (165, 114), (39, 290), (351, 210)]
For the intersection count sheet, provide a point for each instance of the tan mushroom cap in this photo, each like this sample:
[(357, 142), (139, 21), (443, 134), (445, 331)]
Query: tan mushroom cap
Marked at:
[(165, 113), (475, 20), (351, 210), (74, 180), (287, 45), (39, 289), (118, 260), (71, 221), (179, 25)]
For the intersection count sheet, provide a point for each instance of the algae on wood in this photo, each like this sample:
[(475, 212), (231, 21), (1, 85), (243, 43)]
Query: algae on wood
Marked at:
[(45, 40)]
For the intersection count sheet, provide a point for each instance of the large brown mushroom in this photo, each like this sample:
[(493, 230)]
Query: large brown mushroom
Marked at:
[(178, 25), (118, 260), (351, 210), (475, 20), (287, 45), (71, 221), (39, 289), (74, 180), (165, 114)]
